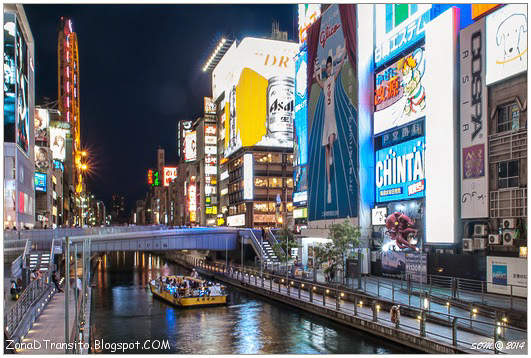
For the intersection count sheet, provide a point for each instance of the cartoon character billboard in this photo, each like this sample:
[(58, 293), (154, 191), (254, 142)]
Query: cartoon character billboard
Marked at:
[(42, 121), (399, 94), (9, 77), (332, 115), (506, 42)]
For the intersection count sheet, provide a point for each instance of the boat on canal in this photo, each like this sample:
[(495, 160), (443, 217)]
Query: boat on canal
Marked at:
[(188, 291)]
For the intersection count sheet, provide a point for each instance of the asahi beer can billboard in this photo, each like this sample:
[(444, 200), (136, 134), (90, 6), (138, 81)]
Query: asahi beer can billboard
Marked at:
[(280, 100), (474, 135)]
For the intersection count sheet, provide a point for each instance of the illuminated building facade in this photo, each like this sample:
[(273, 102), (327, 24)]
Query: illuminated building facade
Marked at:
[(19, 140), (68, 100)]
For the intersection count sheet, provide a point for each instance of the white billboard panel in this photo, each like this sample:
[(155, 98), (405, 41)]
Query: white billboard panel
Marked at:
[(58, 143), (474, 124), (506, 42), (248, 179), (507, 275), (441, 129), (190, 147)]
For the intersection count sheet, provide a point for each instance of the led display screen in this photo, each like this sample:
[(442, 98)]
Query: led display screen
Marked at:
[(23, 116), (40, 182), (400, 171), (10, 74)]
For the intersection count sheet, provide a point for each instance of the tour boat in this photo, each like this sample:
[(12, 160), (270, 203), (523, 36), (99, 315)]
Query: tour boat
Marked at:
[(188, 297)]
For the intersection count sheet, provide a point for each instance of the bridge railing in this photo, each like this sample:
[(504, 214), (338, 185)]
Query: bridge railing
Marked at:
[(352, 303)]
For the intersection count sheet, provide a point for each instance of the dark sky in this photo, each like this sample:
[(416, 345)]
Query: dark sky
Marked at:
[(140, 72)]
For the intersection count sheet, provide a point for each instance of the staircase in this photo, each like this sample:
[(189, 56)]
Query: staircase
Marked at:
[(39, 260), (270, 257)]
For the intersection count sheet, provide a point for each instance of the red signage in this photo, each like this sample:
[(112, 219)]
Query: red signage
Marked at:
[(150, 176)]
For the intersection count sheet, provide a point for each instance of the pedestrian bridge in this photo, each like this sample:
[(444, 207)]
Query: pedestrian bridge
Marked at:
[(132, 238)]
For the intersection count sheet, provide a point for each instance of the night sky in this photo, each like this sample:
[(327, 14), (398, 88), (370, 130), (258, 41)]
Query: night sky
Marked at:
[(140, 72)]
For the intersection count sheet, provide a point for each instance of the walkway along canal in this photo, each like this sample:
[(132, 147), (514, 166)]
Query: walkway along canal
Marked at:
[(369, 315)]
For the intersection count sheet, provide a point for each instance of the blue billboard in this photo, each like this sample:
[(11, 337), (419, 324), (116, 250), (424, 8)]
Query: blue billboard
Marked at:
[(400, 171), (301, 108), (332, 117), (40, 182), (9, 77)]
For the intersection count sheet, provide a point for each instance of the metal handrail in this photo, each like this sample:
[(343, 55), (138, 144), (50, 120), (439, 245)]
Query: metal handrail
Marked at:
[(326, 290), (31, 294)]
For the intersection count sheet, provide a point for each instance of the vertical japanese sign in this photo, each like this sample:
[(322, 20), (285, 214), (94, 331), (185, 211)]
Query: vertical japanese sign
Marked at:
[(473, 107)]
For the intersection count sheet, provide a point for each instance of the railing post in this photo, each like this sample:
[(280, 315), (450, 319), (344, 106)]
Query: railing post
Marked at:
[(374, 312), (310, 290), (422, 327), (67, 293), (324, 297), (279, 285), (271, 283), (355, 305), (454, 331), (393, 292), (378, 285), (482, 292), (299, 290), (76, 296), (337, 300), (288, 285), (511, 297)]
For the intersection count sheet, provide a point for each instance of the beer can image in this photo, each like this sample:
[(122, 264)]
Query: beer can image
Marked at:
[(280, 108)]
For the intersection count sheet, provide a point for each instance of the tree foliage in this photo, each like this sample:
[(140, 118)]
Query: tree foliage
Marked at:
[(344, 237), (285, 242)]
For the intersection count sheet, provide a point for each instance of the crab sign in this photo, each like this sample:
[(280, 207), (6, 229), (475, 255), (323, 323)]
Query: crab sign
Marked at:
[(401, 229)]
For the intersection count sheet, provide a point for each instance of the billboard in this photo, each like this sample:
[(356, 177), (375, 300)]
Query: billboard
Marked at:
[(308, 13), (399, 92), (378, 215), (400, 171), (398, 27), (393, 262), (190, 146), (506, 42), (40, 182), (209, 105), (58, 142), (10, 74), (169, 173), (507, 275), (480, 9), (416, 266), (42, 121), (43, 158), (23, 117), (332, 116), (248, 176), (258, 79), (57, 164), (150, 177), (301, 108), (474, 122)]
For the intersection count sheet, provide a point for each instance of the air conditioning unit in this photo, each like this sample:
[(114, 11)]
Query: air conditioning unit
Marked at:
[(509, 224), (480, 243), (468, 244), (494, 239), (480, 230), (508, 237)]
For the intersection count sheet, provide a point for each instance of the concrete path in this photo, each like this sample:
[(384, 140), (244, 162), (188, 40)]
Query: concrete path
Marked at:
[(434, 331), (49, 329)]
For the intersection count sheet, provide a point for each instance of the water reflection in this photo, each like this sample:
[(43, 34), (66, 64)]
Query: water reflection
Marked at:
[(125, 311)]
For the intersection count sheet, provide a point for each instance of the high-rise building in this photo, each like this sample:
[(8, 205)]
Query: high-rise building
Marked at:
[(19, 100), (117, 210), (67, 136)]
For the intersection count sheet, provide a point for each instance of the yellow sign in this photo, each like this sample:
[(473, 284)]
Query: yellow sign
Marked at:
[(480, 9)]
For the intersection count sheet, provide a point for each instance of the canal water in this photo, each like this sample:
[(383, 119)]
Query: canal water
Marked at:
[(124, 311)]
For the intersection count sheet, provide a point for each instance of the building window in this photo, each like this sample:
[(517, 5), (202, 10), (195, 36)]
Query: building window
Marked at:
[(508, 173), (508, 117)]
